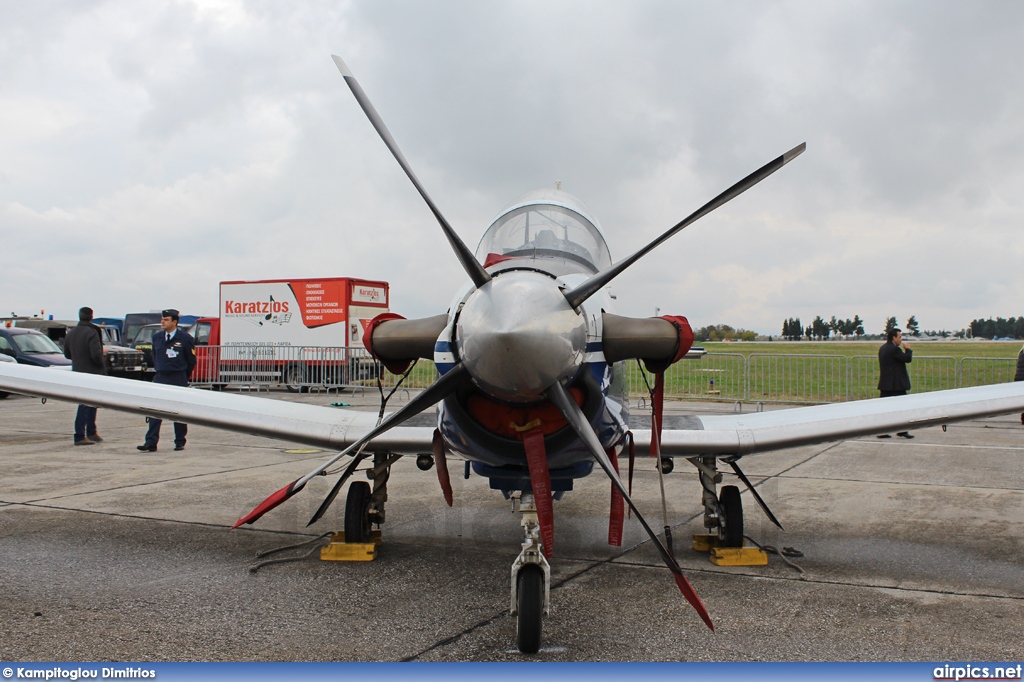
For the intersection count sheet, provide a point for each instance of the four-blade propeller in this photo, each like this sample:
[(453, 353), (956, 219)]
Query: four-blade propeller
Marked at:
[(491, 323)]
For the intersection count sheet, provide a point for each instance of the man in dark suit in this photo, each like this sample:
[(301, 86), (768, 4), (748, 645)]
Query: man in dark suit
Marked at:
[(1019, 374), (893, 358), (174, 356), (83, 345)]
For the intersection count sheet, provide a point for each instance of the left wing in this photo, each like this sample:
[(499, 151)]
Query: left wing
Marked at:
[(744, 434), (324, 427)]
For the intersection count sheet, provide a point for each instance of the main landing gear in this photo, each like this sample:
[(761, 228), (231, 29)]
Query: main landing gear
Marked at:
[(531, 579), (364, 505), (723, 512)]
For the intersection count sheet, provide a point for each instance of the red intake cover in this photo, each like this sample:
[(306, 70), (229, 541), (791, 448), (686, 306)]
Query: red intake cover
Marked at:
[(685, 343), (393, 366)]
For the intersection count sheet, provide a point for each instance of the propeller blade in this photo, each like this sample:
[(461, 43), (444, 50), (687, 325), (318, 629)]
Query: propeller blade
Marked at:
[(469, 262), (574, 415), (440, 389), (331, 496), (584, 291), (269, 503)]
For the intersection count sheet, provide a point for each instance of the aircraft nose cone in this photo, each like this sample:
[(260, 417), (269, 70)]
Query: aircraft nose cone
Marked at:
[(517, 335)]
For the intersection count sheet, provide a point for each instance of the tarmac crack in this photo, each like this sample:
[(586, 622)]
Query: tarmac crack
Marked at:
[(136, 517), (841, 583), (169, 480), (891, 482)]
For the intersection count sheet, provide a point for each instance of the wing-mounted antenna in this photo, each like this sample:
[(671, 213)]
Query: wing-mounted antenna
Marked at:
[(469, 262)]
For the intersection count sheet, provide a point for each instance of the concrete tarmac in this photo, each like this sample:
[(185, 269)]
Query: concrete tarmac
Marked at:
[(912, 550)]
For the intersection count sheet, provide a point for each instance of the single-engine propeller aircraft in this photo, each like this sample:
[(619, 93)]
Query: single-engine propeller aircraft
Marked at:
[(530, 390)]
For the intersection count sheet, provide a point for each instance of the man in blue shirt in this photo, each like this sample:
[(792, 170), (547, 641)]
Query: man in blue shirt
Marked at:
[(174, 356)]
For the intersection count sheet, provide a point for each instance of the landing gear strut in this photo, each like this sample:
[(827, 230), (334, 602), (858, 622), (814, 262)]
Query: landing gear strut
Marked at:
[(364, 505), (531, 580), (722, 513)]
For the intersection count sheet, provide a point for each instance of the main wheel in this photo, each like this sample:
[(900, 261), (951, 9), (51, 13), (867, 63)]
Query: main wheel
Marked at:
[(293, 377), (357, 516), (530, 604), (730, 525)]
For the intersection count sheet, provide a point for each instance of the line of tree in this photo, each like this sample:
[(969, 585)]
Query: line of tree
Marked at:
[(723, 332), (998, 328), (912, 328), (821, 329)]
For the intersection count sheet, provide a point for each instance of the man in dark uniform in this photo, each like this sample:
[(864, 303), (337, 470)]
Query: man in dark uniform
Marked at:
[(893, 358), (83, 345), (174, 356)]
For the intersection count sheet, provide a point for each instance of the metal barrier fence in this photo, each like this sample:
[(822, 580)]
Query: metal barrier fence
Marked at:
[(813, 379), (298, 368), (984, 371), (728, 377)]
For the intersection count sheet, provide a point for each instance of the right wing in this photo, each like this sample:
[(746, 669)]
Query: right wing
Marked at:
[(325, 427), (744, 434)]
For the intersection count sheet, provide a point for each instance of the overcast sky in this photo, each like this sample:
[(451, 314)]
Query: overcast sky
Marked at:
[(151, 150)]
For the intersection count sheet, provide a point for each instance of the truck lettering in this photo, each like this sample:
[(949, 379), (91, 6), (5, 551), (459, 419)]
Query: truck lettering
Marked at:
[(255, 307)]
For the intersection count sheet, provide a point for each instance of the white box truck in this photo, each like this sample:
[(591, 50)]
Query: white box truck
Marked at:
[(301, 332)]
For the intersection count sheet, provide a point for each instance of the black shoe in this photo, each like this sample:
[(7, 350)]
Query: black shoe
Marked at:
[(884, 435), (905, 434), (146, 448), (179, 448), (95, 438), (85, 441)]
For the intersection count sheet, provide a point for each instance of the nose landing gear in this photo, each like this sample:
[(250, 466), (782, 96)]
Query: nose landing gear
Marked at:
[(531, 580)]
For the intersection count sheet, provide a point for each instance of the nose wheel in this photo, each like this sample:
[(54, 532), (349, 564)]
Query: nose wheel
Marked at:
[(531, 581), (530, 603)]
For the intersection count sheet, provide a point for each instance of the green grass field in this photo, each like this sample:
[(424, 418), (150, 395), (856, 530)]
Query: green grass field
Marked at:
[(825, 372), (954, 349), (807, 372)]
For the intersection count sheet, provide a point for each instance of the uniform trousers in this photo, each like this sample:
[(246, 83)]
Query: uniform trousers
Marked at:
[(180, 430)]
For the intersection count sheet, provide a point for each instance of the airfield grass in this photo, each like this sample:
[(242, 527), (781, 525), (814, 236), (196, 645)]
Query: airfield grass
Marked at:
[(804, 371), (849, 349)]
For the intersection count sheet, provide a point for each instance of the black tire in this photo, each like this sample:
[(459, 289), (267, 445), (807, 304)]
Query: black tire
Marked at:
[(668, 465), (730, 529), (530, 605), (357, 517), (3, 395), (293, 377)]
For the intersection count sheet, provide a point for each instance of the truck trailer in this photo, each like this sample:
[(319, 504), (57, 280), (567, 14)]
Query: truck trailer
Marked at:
[(299, 332)]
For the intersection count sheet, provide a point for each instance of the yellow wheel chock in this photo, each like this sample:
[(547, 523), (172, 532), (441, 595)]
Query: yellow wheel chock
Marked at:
[(339, 550), (728, 556)]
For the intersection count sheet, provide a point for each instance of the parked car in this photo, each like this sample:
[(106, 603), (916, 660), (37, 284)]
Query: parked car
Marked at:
[(5, 358), (30, 347), (120, 361)]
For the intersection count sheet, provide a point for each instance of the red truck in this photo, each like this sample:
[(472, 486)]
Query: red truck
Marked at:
[(299, 332)]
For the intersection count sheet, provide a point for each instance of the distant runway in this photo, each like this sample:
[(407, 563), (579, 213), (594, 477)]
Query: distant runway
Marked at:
[(913, 550)]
